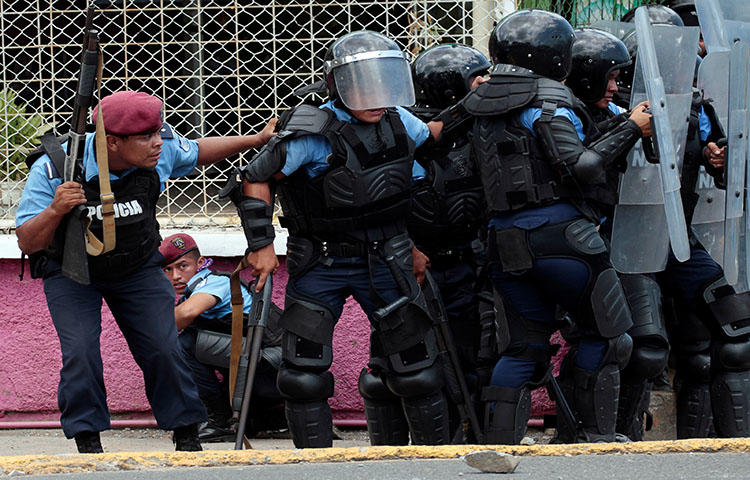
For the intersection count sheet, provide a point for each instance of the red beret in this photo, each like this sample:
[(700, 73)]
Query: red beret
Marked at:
[(175, 246), (130, 113)]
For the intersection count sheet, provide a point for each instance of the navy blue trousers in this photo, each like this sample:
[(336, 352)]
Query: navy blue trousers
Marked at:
[(332, 285), (142, 304)]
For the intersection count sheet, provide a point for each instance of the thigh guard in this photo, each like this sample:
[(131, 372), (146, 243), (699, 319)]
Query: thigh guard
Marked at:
[(730, 310), (308, 334)]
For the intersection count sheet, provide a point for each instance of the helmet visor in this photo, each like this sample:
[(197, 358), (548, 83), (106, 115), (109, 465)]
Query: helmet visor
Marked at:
[(374, 80)]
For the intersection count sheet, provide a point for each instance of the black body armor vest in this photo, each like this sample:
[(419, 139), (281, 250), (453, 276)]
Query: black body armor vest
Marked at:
[(515, 172), (363, 194), (448, 205)]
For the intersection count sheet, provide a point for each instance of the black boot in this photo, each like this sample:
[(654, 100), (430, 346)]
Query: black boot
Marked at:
[(186, 439), (694, 417), (505, 424), (730, 402), (310, 423), (219, 426), (633, 408), (596, 398), (428, 419), (89, 442)]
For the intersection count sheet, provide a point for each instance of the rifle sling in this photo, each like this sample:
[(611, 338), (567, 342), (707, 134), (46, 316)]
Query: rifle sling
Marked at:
[(237, 320), (95, 247)]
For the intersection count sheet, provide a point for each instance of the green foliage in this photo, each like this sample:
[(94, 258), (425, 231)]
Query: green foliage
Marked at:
[(20, 133)]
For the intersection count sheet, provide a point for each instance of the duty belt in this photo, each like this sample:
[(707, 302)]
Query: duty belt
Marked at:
[(537, 195)]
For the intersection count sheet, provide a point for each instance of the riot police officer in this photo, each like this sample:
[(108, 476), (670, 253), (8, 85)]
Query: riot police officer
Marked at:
[(711, 360), (598, 58), (344, 173), (448, 204), (527, 135)]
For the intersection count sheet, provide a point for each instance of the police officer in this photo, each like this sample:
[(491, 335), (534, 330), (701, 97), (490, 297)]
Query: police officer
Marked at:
[(448, 204), (711, 364), (143, 153), (204, 319), (598, 58), (527, 135), (344, 172)]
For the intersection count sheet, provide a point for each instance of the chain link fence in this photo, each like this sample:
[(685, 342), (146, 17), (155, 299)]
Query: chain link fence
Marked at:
[(222, 67)]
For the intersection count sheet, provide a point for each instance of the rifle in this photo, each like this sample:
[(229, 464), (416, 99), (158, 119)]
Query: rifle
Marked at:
[(244, 365), (456, 382), (78, 239)]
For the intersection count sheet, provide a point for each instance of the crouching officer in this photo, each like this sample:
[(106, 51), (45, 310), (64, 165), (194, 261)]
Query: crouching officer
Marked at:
[(204, 321), (142, 153), (344, 173)]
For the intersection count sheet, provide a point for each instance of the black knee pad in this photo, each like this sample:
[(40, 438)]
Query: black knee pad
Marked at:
[(304, 386), (373, 386), (416, 384), (618, 350), (647, 360), (695, 368), (731, 357)]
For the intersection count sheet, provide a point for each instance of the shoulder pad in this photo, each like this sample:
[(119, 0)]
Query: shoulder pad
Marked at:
[(308, 120), (553, 91), (505, 91), (166, 131)]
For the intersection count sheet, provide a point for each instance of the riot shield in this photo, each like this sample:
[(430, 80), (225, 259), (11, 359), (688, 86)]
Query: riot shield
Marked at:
[(708, 218), (736, 156), (723, 21), (649, 214), (618, 29)]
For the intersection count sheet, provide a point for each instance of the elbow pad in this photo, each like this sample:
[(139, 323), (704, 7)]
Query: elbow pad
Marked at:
[(268, 161), (617, 142), (256, 217)]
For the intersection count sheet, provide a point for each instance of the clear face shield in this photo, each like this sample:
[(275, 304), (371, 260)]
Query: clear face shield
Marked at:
[(376, 79)]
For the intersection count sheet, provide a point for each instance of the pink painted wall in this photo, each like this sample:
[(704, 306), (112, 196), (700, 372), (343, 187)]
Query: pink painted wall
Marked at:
[(30, 353)]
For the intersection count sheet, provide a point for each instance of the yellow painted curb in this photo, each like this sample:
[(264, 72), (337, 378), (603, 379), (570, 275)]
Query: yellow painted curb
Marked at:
[(47, 464)]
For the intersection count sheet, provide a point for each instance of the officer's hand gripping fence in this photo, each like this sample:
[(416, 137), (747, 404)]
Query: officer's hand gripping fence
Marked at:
[(244, 362), (79, 241), (456, 382), (670, 175)]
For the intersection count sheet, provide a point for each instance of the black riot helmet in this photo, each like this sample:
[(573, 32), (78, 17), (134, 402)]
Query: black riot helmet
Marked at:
[(535, 39), (686, 11), (657, 14), (443, 74), (596, 54), (368, 70), (625, 78)]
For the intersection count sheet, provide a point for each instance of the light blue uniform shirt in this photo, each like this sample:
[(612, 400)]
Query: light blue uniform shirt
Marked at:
[(704, 124), (531, 115), (219, 287), (179, 157), (311, 151), (616, 109)]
